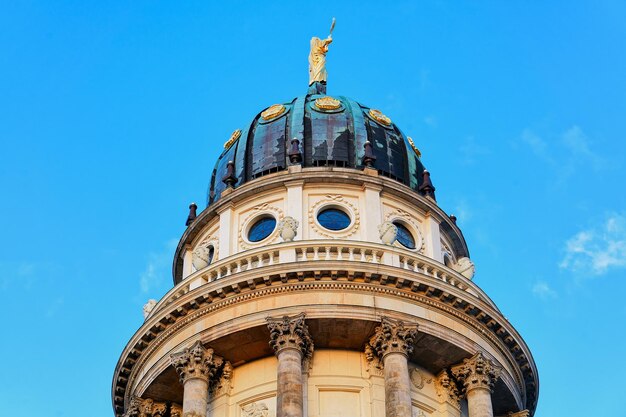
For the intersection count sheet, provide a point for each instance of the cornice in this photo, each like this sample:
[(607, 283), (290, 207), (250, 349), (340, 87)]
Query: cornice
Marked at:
[(328, 276)]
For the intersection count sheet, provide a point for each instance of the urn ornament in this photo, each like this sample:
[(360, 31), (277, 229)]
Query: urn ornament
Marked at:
[(288, 228), (388, 232)]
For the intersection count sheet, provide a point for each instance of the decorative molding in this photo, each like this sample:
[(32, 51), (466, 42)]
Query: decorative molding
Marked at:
[(447, 390), (197, 362), (418, 378), (476, 372), (334, 200), (290, 333), (392, 336), (256, 409)]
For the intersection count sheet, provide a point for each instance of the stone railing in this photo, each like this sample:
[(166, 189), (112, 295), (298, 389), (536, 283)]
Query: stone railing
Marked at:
[(306, 251)]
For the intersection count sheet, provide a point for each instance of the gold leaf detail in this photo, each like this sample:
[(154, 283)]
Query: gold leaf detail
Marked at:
[(327, 103), (380, 117), (417, 151), (233, 138), (273, 111)]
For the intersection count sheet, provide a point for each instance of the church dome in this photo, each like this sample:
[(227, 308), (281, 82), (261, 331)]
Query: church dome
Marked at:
[(318, 130)]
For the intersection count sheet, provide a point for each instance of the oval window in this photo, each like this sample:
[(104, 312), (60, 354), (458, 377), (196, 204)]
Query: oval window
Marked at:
[(333, 219), (404, 236), (261, 229)]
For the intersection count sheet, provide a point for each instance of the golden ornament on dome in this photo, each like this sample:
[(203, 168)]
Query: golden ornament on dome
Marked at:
[(233, 138), (380, 117), (327, 103), (417, 151), (273, 111)]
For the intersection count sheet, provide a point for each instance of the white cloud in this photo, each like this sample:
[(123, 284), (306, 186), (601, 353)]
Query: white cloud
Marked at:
[(157, 268), (542, 290), (597, 250)]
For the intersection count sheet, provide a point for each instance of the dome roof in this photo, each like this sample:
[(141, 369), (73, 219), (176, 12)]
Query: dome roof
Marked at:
[(318, 130)]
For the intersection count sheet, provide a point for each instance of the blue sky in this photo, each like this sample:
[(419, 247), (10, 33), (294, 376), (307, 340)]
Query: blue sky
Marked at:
[(112, 115)]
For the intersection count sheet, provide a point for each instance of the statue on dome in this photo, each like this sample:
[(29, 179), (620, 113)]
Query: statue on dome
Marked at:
[(317, 57)]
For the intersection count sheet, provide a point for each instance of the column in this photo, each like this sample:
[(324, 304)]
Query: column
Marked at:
[(477, 375), (393, 342), (372, 215), (292, 344), (197, 367)]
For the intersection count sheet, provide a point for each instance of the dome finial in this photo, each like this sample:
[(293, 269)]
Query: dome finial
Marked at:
[(317, 60)]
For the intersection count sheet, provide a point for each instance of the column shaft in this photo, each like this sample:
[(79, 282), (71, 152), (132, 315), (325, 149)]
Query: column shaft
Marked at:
[(289, 401), (479, 403), (397, 386), (195, 397)]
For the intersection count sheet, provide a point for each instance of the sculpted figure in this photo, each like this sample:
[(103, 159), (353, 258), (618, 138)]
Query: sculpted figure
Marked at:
[(200, 257), (288, 228), (148, 307), (465, 267), (388, 232), (317, 57)]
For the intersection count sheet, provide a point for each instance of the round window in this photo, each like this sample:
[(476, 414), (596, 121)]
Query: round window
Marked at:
[(404, 236), (333, 219), (261, 229)]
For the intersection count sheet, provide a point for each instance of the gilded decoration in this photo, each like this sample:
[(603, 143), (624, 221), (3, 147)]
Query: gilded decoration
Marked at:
[(273, 111), (233, 138), (379, 117), (327, 103), (417, 151)]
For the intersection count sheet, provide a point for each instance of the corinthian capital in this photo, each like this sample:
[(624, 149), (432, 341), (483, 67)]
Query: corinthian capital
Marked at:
[(196, 362), (290, 333), (176, 410), (393, 337), (140, 407), (477, 372), (446, 389)]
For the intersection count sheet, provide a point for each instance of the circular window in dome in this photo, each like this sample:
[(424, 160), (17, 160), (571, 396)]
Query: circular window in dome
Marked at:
[(261, 229), (404, 236), (333, 219)]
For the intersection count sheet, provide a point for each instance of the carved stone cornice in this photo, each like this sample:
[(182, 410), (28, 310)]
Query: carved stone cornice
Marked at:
[(447, 390), (140, 407), (196, 362), (290, 333), (477, 372), (393, 337)]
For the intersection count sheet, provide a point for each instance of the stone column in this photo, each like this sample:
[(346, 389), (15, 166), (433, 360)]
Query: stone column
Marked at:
[(393, 342), (289, 337), (197, 367), (477, 375)]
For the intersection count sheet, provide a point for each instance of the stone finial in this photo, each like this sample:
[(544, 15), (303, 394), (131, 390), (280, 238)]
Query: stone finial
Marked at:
[(176, 410), (193, 207), (288, 228), (148, 307), (453, 218), (196, 362), (388, 232), (295, 156), (447, 390), (369, 158), (427, 188), (290, 333), (229, 178), (476, 372), (393, 337), (523, 413)]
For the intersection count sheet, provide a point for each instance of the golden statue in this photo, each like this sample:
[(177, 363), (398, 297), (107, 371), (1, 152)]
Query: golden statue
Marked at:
[(317, 57)]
